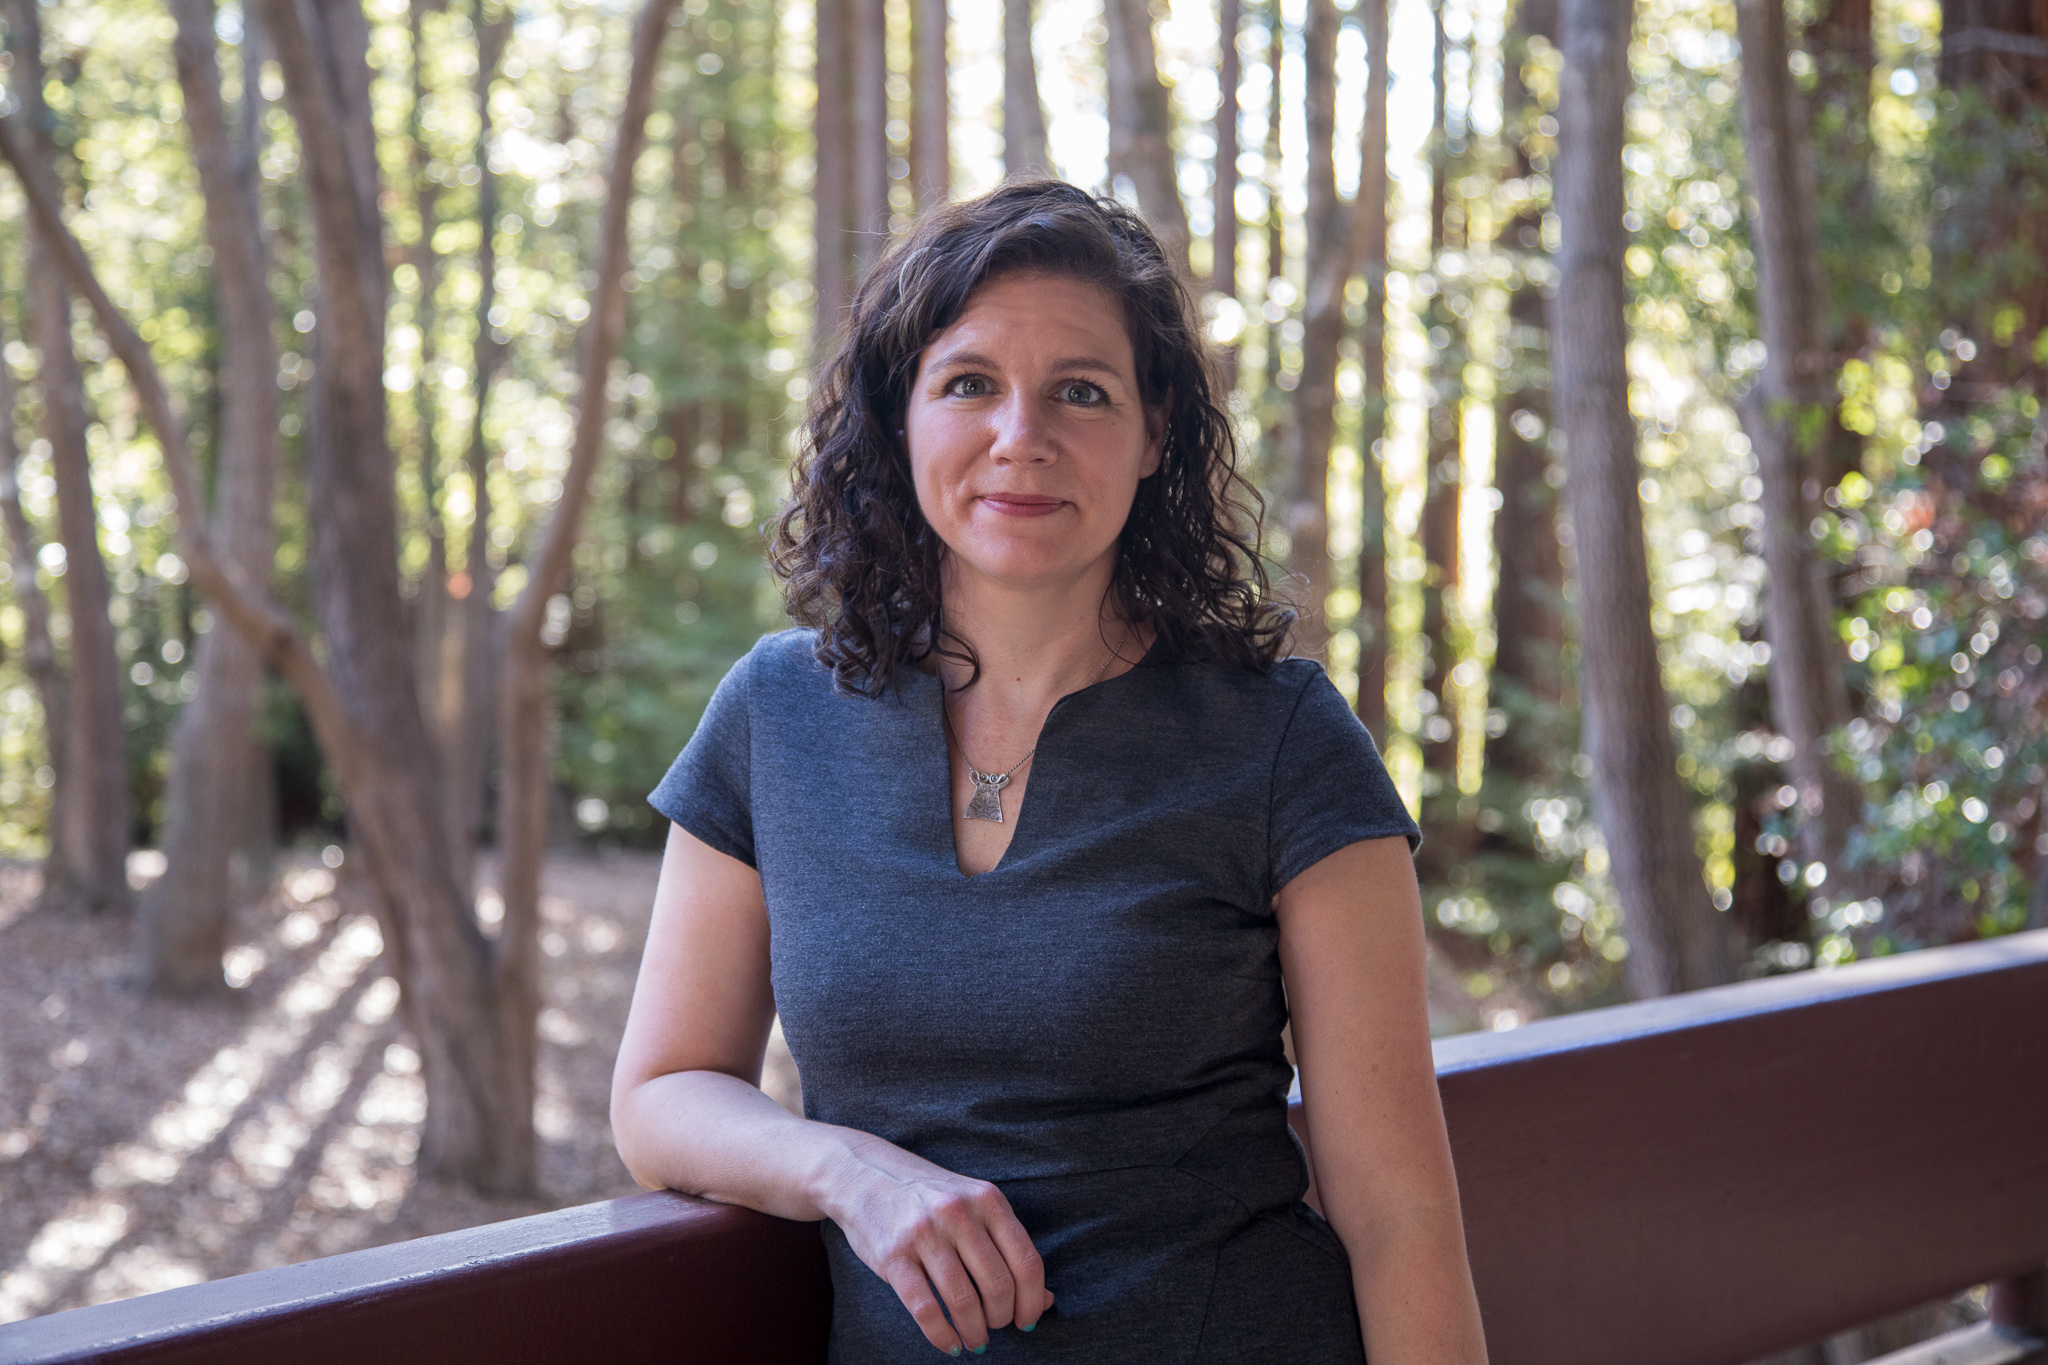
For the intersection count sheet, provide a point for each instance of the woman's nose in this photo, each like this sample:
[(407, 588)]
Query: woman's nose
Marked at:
[(1022, 435)]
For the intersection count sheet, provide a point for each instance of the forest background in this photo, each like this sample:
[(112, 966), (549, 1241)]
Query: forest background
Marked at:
[(1646, 400)]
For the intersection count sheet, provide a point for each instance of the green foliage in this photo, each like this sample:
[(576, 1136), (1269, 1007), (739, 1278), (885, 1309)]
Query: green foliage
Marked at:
[(1931, 205), (1956, 747)]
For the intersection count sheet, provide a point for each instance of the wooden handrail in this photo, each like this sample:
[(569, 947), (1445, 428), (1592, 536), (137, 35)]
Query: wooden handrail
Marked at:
[(654, 1278), (1709, 1178), (1700, 1180)]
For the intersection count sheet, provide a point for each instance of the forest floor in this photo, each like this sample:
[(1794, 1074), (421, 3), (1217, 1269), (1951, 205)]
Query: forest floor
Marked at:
[(146, 1144)]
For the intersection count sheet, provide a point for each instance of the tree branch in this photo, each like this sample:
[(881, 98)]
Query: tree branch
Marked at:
[(246, 606), (600, 343)]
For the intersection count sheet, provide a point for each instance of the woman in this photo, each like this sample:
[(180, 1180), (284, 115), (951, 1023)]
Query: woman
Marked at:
[(1040, 1042)]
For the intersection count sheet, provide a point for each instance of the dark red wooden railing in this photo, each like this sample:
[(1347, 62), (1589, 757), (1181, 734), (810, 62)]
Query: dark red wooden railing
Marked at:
[(1701, 1180)]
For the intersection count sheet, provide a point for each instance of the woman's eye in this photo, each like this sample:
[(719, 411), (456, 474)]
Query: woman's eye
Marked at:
[(969, 386), (1084, 394)]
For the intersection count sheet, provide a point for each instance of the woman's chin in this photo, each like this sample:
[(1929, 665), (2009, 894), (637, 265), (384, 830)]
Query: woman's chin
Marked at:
[(1030, 567)]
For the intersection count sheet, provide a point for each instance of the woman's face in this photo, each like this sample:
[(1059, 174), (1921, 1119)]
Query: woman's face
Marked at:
[(1027, 438)]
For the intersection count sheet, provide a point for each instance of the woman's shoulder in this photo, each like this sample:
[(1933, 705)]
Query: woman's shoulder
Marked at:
[(784, 651), (1226, 708), (1276, 688), (781, 666)]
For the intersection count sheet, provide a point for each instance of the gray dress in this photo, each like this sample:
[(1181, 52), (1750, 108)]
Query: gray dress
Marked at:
[(1094, 1025)]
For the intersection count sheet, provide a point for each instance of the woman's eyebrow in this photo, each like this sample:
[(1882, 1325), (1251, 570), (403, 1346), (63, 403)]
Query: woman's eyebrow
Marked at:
[(1064, 364), (952, 358)]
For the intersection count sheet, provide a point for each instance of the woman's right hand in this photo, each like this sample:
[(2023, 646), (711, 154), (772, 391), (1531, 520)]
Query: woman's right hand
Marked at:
[(923, 1228), (689, 1116)]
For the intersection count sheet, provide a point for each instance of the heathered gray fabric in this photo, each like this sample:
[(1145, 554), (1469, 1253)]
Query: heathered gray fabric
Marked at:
[(1094, 1025)]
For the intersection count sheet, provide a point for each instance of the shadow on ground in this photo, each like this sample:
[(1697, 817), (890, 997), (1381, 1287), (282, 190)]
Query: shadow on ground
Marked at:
[(146, 1144)]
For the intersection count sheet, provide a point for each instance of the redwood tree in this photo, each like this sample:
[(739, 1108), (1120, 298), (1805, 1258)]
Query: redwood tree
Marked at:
[(1443, 489), (38, 650), (1141, 123), (1023, 115), (88, 864), (470, 729), (1675, 938), (1223, 201), (181, 931), (868, 53), (1527, 680), (525, 711), (1370, 222), (931, 153), (473, 1001), (832, 185), (1328, 243), (1786, 418)]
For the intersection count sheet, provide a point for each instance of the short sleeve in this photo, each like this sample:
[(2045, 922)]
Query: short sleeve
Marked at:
[(1330, 788), (708, 789)]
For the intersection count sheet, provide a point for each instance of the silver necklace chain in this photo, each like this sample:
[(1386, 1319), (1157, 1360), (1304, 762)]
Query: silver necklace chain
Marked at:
[(987, 802)]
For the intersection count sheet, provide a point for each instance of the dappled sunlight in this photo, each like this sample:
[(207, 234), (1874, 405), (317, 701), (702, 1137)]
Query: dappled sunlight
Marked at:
[(294, 1131), (256, 1156)]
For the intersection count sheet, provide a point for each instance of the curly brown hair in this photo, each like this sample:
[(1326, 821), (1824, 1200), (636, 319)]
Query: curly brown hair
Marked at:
[(857, 558)]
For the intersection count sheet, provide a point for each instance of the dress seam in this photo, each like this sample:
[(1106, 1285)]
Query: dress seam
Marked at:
[(1208, 1304), (1254, 1215)]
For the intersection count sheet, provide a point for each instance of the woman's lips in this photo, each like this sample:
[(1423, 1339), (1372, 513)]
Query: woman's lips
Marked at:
[(1020, 504)]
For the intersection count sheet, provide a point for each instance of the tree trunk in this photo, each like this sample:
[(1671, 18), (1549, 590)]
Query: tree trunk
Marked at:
[(1785, 418), (181, 931), (832, 183), (1328, 269), (870, 159), (1223, 210), (735, 428), (38, 651), (1994, 47), (1023, 114), (1845, 60), (931, 151), (1141, 124), (473, 1004), (1995, 53), (1443, 488), (88, 870), (1223, 204), (476, 1064), (473, 724), (1370, 220), (1275, 410), (1676, 941), (526, 720), (432, 638), (1761, 906), (1527, 682)]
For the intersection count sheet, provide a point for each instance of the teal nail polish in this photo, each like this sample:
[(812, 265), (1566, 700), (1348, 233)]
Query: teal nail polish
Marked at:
[(953, 1350), (1029, 1327), (981, 1350)]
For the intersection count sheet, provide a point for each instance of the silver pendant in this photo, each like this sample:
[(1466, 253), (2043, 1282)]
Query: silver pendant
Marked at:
[(987, 803)]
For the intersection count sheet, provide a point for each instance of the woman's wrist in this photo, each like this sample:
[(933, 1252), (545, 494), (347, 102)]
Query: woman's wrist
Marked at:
[(840, 1170)]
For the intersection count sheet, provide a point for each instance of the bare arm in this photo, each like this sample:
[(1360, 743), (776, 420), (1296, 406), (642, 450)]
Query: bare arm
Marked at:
[(688, 1115), (1351, 947)]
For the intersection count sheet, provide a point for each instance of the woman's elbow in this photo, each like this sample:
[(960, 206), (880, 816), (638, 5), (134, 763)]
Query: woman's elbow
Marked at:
[(627, 1138)]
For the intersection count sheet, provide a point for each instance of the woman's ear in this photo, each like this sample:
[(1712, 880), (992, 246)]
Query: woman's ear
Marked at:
[(1155, 435)]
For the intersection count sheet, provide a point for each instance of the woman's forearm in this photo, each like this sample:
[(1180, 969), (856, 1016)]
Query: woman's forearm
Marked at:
[(714, 1135), (1414, 1289)]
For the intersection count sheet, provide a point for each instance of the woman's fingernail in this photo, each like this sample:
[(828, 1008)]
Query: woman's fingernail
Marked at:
[(1029, 1327), (980, 1350), (952, 1350)]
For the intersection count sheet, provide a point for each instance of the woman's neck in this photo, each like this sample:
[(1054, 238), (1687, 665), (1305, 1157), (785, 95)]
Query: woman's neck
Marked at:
[(1033, 646)]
